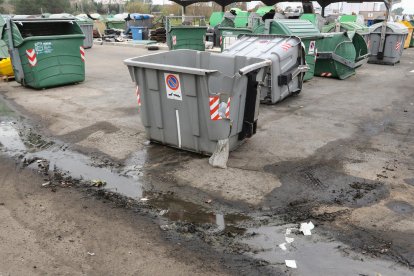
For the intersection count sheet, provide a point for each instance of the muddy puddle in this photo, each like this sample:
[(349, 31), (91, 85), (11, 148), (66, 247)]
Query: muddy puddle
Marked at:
[(127, 181), (314, 254)]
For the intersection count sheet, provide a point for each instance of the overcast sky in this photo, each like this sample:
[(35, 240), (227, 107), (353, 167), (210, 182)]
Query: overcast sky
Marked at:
[(408, 6)]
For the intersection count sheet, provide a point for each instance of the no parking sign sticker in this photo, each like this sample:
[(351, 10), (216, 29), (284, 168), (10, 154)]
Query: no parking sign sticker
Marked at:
[(173, 86), (311, 48)]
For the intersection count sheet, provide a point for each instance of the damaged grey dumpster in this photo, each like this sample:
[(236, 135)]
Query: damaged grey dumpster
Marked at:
[(192, 99), (288, 63)]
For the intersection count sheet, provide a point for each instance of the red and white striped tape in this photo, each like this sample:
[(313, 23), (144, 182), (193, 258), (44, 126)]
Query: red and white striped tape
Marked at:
[(228, 108), (31, 57), (138, 93), (286, 46), (398, 45), (214, 108), (82, 53), (326, 74), (221, 40)]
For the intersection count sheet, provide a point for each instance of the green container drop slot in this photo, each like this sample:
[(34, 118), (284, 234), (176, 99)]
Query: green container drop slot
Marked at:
[(46, 52), (303, 29)]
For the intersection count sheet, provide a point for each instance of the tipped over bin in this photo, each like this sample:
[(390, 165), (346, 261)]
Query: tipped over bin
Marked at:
[(46, 52), (303, 29), (286, 74), (337, 56), (192, 99)]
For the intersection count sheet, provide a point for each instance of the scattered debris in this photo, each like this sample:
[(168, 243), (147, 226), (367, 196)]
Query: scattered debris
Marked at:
[(283, 246), (91, 254), (98, 183), (289, 240), (144, 199), (46, 184), (306, 228), (291, 263), (208, 201), (165, 227), (163, 212), (220, 155)]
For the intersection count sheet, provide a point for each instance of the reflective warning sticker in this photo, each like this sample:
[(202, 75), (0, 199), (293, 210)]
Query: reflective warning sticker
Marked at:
[(311, 48), (173, 86)]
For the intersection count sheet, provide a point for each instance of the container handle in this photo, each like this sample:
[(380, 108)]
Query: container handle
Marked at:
[(249, 68)]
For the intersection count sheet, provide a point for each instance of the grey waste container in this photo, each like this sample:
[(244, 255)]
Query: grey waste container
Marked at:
[(191, 99), (87, 29), (389, 52), (288, 63)]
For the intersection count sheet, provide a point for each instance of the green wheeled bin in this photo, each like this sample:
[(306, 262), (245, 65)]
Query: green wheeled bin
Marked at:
[(229, 35), (112, 23), (215, 18), (336, 56), (303, 29), (46, 52), (189, 37), (186, 37)]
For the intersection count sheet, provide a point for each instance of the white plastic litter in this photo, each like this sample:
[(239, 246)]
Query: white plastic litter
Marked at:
[(289, 240), (306, 228), (144, 199), (220, 155), (283, 246), (91, 254), (291, 263), (288, 231)]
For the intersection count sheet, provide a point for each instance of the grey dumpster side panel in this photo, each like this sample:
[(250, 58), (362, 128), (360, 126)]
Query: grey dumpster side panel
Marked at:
[(187, 123)]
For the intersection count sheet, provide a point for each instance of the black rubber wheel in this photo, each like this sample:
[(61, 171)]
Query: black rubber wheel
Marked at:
[(153, 48)]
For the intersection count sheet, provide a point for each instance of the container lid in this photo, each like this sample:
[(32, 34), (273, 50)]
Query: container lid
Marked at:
[(407, 24), (296, 27), (392, 28)]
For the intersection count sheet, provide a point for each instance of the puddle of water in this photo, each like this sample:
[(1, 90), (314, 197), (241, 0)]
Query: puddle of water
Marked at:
[(10, 139), (314, 255), (179, 210), (79, 166), (400, 207)]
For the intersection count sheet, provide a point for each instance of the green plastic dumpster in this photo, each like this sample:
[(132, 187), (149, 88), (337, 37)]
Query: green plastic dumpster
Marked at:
[(4, 51), (216, 18), (263, 10), (46, 52), (348, 26), (185, 36), (303, 29), (229, 35), (115, 24), (316, 19), (336, 56), (242, 19)]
